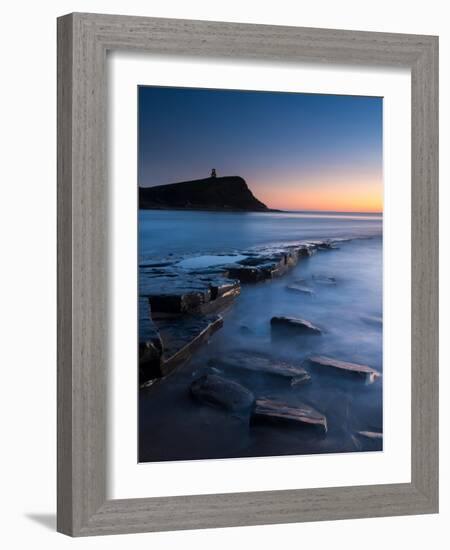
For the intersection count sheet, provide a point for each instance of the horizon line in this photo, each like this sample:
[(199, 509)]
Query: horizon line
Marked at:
[(330, 211)]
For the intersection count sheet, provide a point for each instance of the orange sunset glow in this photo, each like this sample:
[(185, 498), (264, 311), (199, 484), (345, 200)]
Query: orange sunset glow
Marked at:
[(295, 151), (333, 190), (359, 195)]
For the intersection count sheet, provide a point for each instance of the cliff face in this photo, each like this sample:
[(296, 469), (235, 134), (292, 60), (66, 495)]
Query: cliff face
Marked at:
[(224, 193)]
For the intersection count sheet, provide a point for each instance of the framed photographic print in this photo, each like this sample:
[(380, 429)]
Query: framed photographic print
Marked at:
[(247, 274)]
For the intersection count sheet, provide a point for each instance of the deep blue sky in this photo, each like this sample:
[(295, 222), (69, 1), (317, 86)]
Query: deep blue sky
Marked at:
[(294, 150)]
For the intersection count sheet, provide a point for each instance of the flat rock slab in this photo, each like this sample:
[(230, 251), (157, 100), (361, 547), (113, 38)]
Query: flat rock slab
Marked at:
[(269, 263), (174, 294), (218, 391), (179, 295), (172, 289), (283, 324), (264, 365), (367, 373), (302, 415), (182, 336)]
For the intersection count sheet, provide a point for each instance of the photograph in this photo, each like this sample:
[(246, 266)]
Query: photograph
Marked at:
[(260, 250)]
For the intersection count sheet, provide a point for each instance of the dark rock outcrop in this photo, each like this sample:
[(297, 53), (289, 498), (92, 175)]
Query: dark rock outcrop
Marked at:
[(225, 193), (217, 391)]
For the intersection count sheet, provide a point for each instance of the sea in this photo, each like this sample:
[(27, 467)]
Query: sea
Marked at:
[(345, 301)]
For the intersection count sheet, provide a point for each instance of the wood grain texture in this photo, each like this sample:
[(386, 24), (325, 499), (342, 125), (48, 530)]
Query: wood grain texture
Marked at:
[(64, 274), (425, 259), (83, 40)]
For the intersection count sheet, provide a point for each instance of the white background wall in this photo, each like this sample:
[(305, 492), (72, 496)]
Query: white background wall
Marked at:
[(28, 269)]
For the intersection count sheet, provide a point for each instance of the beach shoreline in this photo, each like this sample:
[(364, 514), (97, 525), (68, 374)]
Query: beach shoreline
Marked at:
[(203, 360)]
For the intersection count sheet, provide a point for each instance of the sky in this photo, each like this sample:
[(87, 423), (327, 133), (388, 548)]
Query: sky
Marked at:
[(295, 151)]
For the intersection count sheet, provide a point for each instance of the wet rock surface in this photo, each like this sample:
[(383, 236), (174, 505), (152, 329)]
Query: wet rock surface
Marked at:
[(178, 303), (183, 336), (168, 342), (178, 294), (215, 390), (262, 364), (278, 411), (370, 435), (191, 416), (368, 374)]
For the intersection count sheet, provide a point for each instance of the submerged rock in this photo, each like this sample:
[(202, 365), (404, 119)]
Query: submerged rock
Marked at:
[(367, 373), (278, 411), (262, 364), (302, 379), (368, 440), (244, 329), (324, 280), (370, 435), (218, 391), (372, 320), (300, 288), (282, 325)]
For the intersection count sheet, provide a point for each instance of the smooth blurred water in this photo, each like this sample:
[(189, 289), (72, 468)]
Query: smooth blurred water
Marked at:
[(163, 232), (173, 426)]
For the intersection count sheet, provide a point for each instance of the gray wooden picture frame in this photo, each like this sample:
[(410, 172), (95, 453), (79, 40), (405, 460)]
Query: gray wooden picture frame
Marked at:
[(83, 41)]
